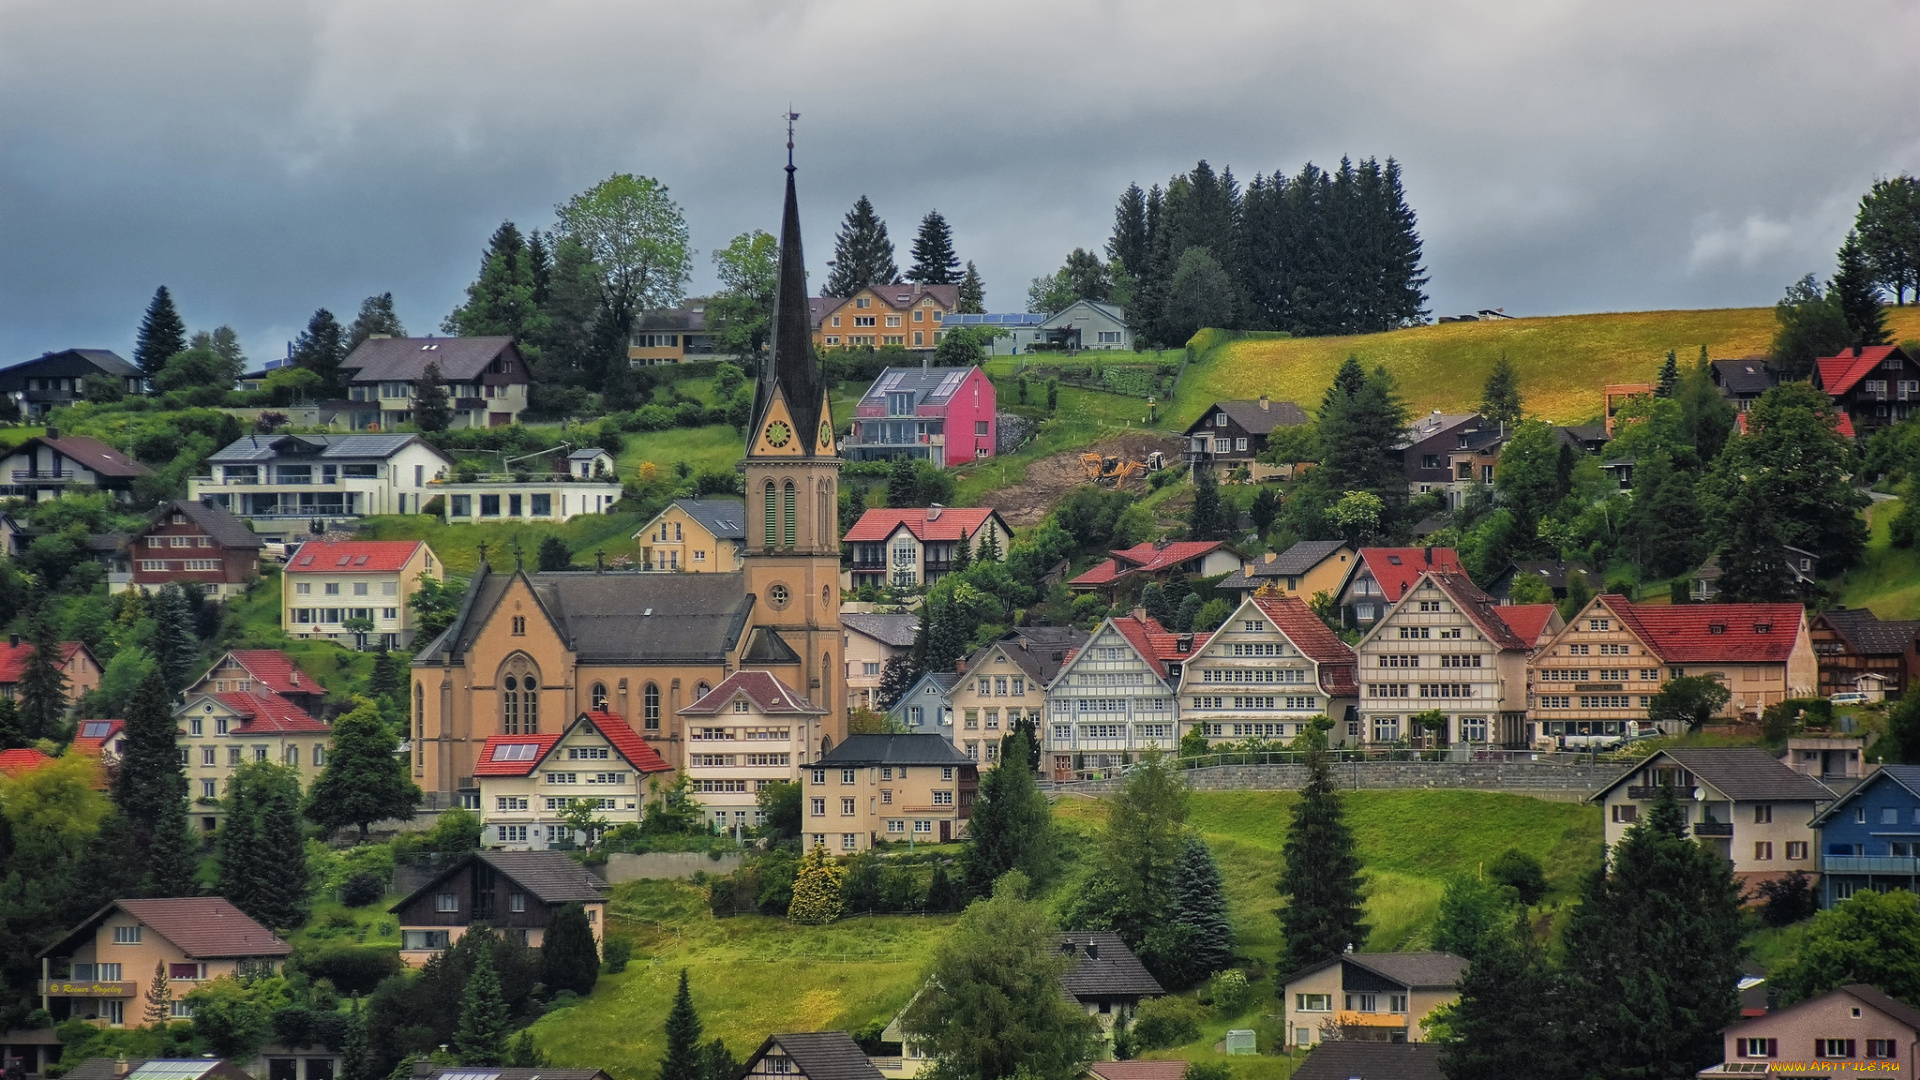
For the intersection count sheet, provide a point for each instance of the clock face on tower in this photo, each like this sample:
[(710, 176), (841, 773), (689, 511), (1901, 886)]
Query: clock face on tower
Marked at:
[(826, 433), (778, 434)]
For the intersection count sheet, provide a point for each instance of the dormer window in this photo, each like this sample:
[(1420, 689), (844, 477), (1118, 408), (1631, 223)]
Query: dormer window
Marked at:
[(1716, 628)]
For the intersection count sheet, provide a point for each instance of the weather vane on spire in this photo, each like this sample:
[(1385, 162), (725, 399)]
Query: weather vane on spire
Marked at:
[(791, 116)]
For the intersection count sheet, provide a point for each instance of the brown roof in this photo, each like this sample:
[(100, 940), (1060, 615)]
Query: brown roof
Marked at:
[(819, 1055), (228, 531), (203, 927), (768, 694), (1479, 607), (461, 359), (1139, 1070), (1348, 1059), (426, 1070), (1865, 633), (91, 453), (1255, 418), (551, 876)]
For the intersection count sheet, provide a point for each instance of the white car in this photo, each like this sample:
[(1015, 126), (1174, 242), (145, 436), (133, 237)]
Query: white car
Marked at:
[(1850, 698)]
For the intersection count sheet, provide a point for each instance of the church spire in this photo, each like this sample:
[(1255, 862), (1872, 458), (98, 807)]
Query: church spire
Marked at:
[(790, 366)]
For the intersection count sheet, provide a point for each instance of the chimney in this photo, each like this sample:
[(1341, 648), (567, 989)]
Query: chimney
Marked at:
[(1265, 405), (1093, 951), (933, 512), (52, 432), (1429, 556), (13, 640), (1138, 613), (1856, 352), (120, 1066)]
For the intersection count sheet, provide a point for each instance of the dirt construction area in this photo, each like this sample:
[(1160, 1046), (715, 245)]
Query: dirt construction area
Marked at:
[(1051, 478)]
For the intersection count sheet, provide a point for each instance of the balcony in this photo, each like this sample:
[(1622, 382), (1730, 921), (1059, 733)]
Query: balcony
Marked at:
[(878, 566), (1644, 791), (1713, 828), (48, 476), (1864, 864)]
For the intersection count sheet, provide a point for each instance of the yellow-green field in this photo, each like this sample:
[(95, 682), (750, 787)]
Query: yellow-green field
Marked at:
[(1887, 582), (1562, 360)]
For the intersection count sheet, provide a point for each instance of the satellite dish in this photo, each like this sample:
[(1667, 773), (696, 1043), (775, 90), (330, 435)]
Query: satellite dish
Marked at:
[(1699, 794)]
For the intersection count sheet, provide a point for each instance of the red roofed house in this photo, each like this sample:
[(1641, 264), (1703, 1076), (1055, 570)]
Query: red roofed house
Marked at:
[(328, 584), (1270, 668), (219, 732), (1876, 385), (1117, 695), (1533, 623), (1596, 678), (1157, 561), (101, 970), (747, 731), (253, 670), (19, 761), (910, 548), (48, 466), (1381, 576), (527, 782), (1442, 648), (76, 663), (104, 739)]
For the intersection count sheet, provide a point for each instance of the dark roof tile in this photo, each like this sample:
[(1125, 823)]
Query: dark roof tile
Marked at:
[(1350, 1059), (860, 750), (1103, 966)]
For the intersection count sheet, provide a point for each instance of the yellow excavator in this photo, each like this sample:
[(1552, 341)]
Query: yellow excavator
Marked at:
[(1110, 471)]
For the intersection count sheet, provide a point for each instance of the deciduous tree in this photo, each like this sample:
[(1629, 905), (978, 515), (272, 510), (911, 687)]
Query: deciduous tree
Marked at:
[(816, 888), (1889, 227), (1872, 938), (741, 316), (1810, 325), (364, 781), (1140, 845)]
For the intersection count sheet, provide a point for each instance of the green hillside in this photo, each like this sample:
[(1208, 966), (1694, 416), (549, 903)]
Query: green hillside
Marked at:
[(1563, 360), (752, 975), (1887, 581)]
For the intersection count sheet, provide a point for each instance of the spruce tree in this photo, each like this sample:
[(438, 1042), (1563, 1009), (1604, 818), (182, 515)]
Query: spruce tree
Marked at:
[(432, 410), (1204, 521), (989, 545), (376, 317), (175, 645), (941, 895), (569, 957), (159, 997), (481, 1038), (1653, 952), (1361, 418), (151, 794), (934, 262), (320, 348), (862, 254), (502, 298), (1321, 881), (364, 781), (1153, 598), (1753, 558), (973, 292), (1011, 827), (1507, 1024), (43, 687), (12, 734), (283, 848), (962, 554), (1500, 400), (1669, 377), (385, 680), (897, 677), (1858, 296), (162, 333), (354, 1063), (237, 848), (903, 484), (1199, 910), (1128, 244), (681, 1059)]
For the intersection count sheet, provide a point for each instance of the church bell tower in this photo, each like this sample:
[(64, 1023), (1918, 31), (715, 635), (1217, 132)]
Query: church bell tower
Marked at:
[(793, 490)]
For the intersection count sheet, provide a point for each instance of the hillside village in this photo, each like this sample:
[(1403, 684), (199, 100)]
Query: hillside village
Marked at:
[(489, 704)]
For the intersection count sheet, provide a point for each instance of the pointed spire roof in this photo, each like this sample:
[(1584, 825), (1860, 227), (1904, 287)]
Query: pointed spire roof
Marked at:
[(790, 364)]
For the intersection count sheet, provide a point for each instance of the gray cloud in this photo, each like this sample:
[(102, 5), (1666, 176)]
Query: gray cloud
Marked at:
[(266, 159)]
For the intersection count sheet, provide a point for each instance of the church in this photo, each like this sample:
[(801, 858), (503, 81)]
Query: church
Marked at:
[(527, 653)]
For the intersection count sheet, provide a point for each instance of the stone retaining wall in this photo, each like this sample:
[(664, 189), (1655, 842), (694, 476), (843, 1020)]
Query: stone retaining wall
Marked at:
[(1568, 783)]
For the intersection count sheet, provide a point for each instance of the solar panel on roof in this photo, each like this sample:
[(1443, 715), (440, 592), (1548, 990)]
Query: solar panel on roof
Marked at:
[(469, 1075), (515, 752), (95, 729), (188, 1069)]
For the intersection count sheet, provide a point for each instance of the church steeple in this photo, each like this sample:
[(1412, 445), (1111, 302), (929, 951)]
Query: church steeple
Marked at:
[(790, 370)]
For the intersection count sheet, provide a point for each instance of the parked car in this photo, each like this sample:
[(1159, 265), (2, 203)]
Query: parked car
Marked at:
[(1851, 697), (274, 552)]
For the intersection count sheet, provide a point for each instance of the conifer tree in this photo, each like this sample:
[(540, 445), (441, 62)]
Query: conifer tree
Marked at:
[(962, 553), (432, 411), (1500, 400), (934, 262), (43, 687), (1128, 244), (1153, 598), (569, 957), (320, 348), (354, 1063), (903, 484), (1669, 377), (175, 645), (816, 888), (1653, 952), (1184, 615), (1889, 226), (1361, 418), (1204, 520), (1011, 827), (385, 680), (681, 1059), (1506, 1023), (162, 333), (12, 734), (1753, 558), (1195, 938), (481, 1038), (237, 848), (1858, 295), (941, 895), (862, 254), (376, 317), (363, 781), (897, 677), (151, 794), (989, 545), (283, 848), (1321, 882), (159, 998), (973, 292)]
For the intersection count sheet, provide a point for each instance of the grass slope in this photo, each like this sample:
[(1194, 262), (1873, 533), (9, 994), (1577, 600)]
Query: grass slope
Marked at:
[(1887, 581), (752, 975), (458, 544), (1563, 361)]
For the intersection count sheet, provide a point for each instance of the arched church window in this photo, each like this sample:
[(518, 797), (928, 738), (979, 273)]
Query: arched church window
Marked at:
[(651, 715), (599, 697), (792, 506), (519, 697), (773, 516)]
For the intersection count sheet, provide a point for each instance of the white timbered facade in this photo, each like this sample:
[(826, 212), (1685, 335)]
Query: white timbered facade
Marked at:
[(1116, 696), (1266, 673), (1442, 647)]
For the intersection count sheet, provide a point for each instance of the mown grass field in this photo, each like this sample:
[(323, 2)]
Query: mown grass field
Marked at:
[(458, 545), (1888, 580), (752, 975), (1563, 360)]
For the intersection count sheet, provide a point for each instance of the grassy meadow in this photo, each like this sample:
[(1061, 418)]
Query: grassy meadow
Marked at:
[(1888, 580)]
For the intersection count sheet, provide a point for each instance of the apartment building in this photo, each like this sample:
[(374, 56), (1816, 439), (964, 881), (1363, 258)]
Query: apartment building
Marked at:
[(486, 380), (1740, 801), (218, 733), (255, 671), (700, 536), (1442, 650), (1004, 683), (748, 732), (365, 582), (1266, 673), (894, 788), (1118, 695), (102, 969), (284, 483), (529, 782), (903, 314)]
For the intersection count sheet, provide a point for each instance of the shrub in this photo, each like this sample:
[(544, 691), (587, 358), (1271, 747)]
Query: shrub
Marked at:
[(1166, 1021), (362, 889), (1522, 873), (1785, 901), (351, 968), (1230, 992), (615, 953)]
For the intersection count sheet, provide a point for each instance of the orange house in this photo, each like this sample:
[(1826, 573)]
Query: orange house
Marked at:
[(904, 315)]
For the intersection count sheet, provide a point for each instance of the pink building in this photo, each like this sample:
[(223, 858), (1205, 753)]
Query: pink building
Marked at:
[(945, 415)]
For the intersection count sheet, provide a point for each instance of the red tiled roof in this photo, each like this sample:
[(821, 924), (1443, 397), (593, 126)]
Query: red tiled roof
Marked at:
[(1687, 634), (1837, 374), (15, 762), (270, 714), (1843, 425), (1155, 643), (93, 744), (1146, 558), (1138, 1070), (352, 556), (520, 764), (768, 694), (628, 743), (1339, 669), (1527, 620), (1396, 569), (13, 659), (877, 525), (276, 671), (1479, 607)]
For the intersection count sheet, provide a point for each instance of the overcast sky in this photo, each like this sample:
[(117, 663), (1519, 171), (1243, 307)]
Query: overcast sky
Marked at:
[(263, 159)]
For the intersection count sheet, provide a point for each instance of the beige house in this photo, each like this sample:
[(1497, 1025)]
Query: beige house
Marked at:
[(1596, 678), (1853, 1030), (1442, 647), (1005, 682), (903, 313), (750, 731), (1266, 673), (894, 788), (217, 733), (872, 639), (1742, 801), (696, 535), (529, 782), (1305, 570), (1369, 997), (102, 969), (326, 585)]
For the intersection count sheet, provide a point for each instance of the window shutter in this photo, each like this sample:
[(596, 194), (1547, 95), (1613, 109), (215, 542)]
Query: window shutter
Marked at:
[(1773, 1048), (1850, 1052)]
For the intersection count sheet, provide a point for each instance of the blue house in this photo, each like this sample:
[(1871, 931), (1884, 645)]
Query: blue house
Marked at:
[(927, 709), (1870, 838)]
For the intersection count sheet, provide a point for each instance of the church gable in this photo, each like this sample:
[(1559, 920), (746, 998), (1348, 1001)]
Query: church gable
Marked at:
[(823, 442), (777, 437), (518, 622)]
